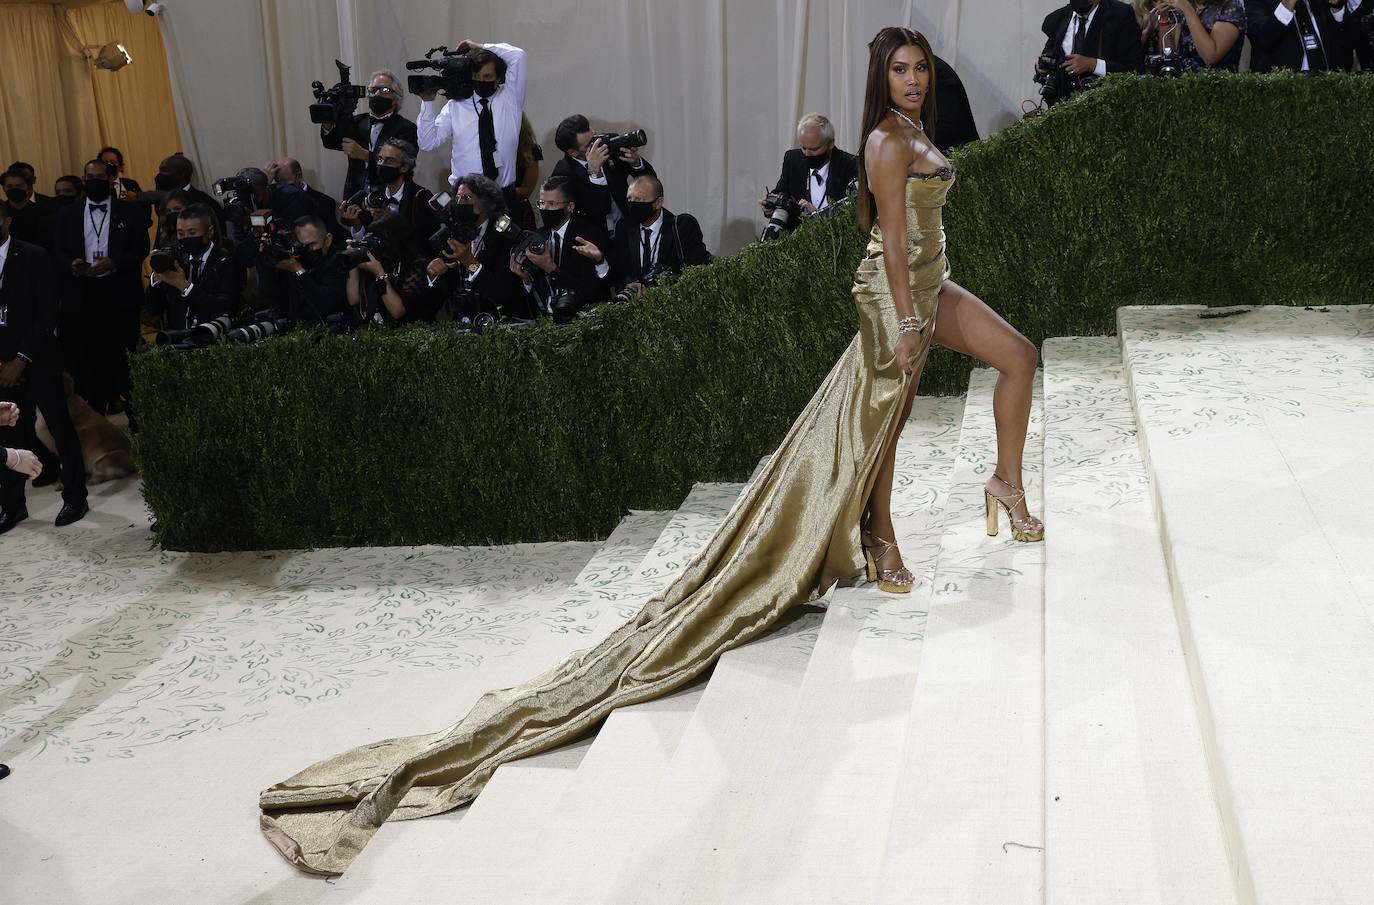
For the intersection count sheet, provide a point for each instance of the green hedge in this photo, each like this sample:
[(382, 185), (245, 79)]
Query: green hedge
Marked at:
[(1215, 189)]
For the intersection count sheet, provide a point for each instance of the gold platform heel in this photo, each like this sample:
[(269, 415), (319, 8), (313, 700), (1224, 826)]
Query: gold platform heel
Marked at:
[(891, 581), (1026, 530)]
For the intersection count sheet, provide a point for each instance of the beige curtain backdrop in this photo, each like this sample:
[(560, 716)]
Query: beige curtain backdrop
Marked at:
[(57, 110), (718, 84)]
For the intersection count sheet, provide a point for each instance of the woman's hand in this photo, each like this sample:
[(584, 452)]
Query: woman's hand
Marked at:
[(906, 350), (1184, 6)]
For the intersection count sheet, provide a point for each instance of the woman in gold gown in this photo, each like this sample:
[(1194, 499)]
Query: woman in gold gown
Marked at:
[(793, 534)]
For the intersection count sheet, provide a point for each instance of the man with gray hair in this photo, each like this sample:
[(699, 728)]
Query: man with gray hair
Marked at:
[(365, 135), (816, 173)]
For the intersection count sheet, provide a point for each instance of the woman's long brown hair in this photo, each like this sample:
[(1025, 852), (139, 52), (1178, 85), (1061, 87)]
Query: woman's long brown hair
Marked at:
[(877, 101)]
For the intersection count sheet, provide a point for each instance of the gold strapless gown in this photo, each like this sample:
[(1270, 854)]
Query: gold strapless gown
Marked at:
[(792, 535)]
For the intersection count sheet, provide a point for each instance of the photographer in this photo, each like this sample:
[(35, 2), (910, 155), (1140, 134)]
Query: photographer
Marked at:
[(288, 171), (175, 174), (99, 247), (201, 281), (653, 241), (1085, 40), (473, 275), (391, 186), (817, 173), (386, 279), (1305, 35), (386, 96), (600, 178), (572, 272), (1207, 36), (278, 206), (31, 378), (484, 128), (316, 285), (29, 221)]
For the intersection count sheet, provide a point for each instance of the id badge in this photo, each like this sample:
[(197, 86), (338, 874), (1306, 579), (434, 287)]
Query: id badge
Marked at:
[(1309, 41), (4, 315)]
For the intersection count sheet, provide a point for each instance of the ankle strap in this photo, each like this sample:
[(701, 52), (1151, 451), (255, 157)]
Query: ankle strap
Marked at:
[(1008, 483)]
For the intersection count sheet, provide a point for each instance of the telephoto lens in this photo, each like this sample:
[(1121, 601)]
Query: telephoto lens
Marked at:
[(210, 332)]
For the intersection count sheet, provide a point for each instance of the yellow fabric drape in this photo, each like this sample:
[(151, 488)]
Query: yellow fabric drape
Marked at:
[(57, 110)]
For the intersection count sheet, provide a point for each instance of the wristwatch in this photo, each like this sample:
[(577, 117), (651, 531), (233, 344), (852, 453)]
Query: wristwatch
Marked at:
[(474, 267)]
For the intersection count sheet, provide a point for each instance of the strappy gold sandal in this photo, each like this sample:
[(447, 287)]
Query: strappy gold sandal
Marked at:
[(1026, 530), (891, 581)]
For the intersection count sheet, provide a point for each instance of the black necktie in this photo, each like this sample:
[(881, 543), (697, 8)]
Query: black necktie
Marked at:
[(819, 179), (195, 271), (486, 140), (557, 251), (646, 255), (1080, 37)]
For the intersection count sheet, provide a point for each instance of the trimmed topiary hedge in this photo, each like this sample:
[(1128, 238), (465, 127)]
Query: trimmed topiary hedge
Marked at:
[(1214, 189)]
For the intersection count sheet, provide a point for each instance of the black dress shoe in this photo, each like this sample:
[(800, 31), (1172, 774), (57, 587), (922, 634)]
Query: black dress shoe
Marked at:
[(4, 771), (11, 517), (71, 513), (47, 478)]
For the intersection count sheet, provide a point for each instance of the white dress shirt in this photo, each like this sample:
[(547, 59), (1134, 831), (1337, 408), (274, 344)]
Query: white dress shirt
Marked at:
[(1286, 16), (562, 233), (457, 122), (98, 226), (819, 200), (1101, 67)]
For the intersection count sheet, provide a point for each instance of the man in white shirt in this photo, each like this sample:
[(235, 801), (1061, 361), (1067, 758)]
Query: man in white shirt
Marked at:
[(484, 128), (1093, 38)]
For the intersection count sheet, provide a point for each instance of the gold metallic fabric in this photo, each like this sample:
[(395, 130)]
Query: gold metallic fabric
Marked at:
[(791, 536)]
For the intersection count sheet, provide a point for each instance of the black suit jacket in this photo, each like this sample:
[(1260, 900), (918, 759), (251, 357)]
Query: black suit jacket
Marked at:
[(199, 197), (499, 290), (576, 271), (1274, 45), (315, 294), (128, 246), (328, 210), (30, 305), (1113, 36), (680, 245), (394, 126), (796, 175), (216, 291), (954, 125), (421, 218), (35, 224)]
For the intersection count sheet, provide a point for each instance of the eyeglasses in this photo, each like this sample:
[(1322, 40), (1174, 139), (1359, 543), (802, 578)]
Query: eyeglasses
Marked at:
[(381, 89), (546, 206)]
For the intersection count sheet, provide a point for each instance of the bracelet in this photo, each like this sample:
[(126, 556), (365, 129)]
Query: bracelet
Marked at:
[(909, 324)]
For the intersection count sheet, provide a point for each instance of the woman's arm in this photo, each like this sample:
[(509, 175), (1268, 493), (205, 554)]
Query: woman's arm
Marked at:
[(1212, 45), (888, 158), (395, 306), (353, 288)]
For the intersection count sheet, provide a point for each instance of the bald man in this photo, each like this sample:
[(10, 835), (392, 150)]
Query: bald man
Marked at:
[(288, 171)]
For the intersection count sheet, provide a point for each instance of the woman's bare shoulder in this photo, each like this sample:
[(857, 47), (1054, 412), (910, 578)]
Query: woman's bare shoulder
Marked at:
[(887, 147)]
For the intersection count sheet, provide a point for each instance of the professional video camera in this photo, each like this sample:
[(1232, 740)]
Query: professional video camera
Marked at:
[(786, 213), (655, 274), (336, 106), (260, 326), (617, 142), (454, 77), (1167, 64)]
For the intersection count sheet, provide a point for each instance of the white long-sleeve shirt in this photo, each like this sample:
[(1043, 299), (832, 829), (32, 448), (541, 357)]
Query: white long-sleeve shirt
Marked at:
[(457, 121)]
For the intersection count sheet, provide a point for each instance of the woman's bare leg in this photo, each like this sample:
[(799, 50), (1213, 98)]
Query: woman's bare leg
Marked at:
[(879, 507), (966, 324)]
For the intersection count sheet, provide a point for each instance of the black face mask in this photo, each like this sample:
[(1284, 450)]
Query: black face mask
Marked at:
[(98, 190), (553, 219), (484, 89), (193, 246), (17, 196), (311, 257), (387, 173), (379, 105), (640, 211), (64, 200), (817, 161), (165, 182), (1082, 7), (463, 213)]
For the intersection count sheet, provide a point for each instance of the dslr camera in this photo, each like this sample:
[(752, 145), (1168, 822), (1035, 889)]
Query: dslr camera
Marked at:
[(786, 213), (336, 106), (165, 259), (453, 74), (358, 250), (617, 142), (649, 279), (235, 196), (1166, 64), (1055, 83)]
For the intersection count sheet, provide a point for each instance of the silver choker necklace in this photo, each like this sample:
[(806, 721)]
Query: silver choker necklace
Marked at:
[(917, 126)]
